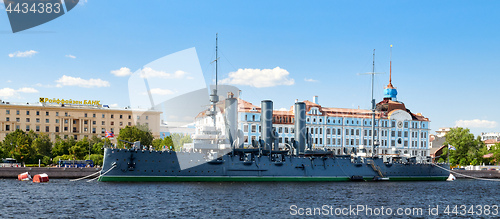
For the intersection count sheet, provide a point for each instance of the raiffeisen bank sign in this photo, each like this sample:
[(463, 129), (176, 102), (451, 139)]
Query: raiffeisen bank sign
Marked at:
[(70, 101)]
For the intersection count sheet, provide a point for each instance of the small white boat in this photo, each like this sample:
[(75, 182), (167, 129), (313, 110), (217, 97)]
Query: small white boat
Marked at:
[(451, 178)]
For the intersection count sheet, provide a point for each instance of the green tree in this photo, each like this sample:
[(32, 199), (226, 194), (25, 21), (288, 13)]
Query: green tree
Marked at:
[(12, 140), (43, 145), (97, 158), (80, 149), (135, 133), (157, 144), (61, 147), (467, 147)]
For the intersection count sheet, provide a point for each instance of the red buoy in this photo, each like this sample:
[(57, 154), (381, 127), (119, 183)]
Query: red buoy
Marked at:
[(41, 178), (24, 176)]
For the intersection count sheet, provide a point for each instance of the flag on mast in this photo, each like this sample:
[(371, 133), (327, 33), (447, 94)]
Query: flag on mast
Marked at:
[(451, 148), (109, 134)]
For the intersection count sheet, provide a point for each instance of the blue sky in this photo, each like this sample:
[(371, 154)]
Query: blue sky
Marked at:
[(444, 52)]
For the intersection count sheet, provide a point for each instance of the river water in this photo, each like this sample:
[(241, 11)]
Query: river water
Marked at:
[(61, 198)]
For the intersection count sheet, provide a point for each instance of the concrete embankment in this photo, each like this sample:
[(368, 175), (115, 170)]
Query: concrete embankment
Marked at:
[(53, 172), (478, 173)]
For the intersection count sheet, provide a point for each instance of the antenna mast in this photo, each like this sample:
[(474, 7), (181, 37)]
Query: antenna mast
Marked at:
[(214, 98)]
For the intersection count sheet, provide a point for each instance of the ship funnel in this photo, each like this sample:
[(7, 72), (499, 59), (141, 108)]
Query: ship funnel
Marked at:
[(300, 127), (232, 118), (266, 118)]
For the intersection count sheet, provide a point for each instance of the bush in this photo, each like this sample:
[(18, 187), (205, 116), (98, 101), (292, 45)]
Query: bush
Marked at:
[(63, 157), (35, 165), (97, 158)]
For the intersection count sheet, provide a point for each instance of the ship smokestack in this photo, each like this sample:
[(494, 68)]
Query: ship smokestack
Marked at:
[(300, 127), (232, 118), (266, 119)]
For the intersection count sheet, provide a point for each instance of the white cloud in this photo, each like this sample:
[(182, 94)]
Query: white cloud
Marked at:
[(122, 72), (148, 72), (9, 92), (20, 54), (71, 56), (259, 77), (476, 123), (160, 91), (310, 80), (72, 81), (27, 90), (283, 109), (9, 81)]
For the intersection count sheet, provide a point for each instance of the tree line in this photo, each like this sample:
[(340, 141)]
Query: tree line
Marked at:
[(30, 147), (470, 150)]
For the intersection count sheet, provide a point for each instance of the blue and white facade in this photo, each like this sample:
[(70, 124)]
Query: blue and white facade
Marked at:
[(396, 128)]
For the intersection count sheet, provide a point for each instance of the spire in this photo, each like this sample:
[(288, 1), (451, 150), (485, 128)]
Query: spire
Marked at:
[(390, 72), (390, 91)]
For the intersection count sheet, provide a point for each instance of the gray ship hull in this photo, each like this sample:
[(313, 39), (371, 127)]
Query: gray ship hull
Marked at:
[(139, 165)]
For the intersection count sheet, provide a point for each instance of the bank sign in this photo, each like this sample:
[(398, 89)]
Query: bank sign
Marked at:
[(70, 101)]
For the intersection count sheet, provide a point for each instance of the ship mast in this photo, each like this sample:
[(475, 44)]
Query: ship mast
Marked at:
[(213, 97), (373, 108)]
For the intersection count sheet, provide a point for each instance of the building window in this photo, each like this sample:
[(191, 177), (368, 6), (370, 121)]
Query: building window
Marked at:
[(112, 123), (7, 112), (399, 133), (27, 119), (38, 120), (121, 116), (113, 116), (129, 117), (103, 131), (260, 129), (93, 130), (47, 129), (57, 128), (121, 123), (18, 120), (76, 137), (357, 131), (102, 123), (46, 113), (280, 130), (406, 134), (94, 122), (85, 122), (85, 115), (65, 128), (37, 113), (18, 127), (17, 112), (352, 131), (138, 117), (7, 119), (328, 132), (27, 128), (27, 112), (339, 141), (339, 131), (286, 130), (129, 123), (245, 128), (37, 128), (253, 128), (65, 113), (65, 121), (320, 131), (57, 113), (7, 127), (47, 120)]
